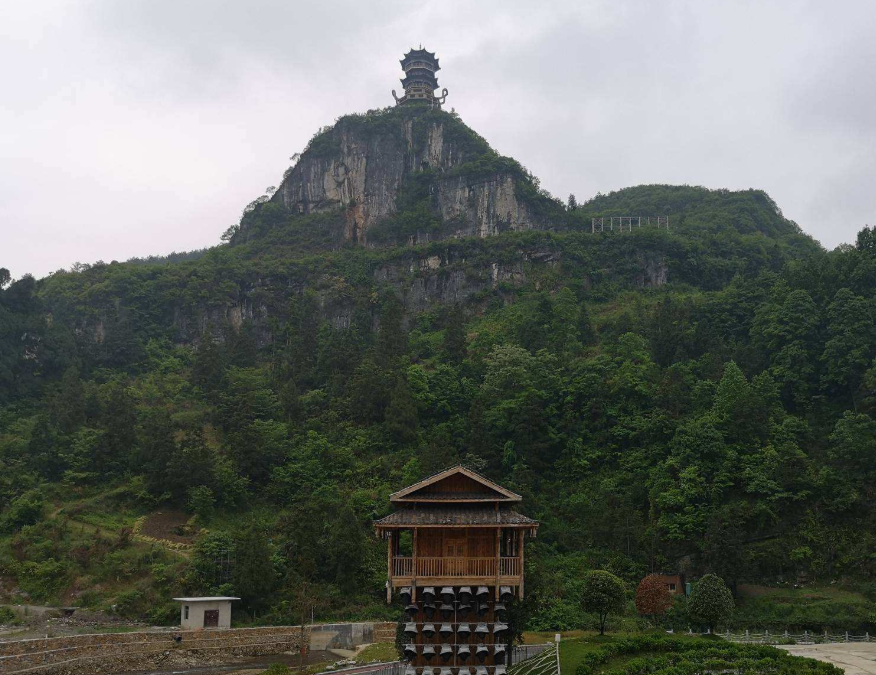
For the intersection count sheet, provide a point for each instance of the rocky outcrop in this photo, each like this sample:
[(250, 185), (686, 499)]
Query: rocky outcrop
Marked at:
[(364, 164)]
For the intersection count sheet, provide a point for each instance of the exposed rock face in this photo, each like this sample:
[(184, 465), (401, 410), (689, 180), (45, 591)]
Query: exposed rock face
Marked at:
[(362, 166)]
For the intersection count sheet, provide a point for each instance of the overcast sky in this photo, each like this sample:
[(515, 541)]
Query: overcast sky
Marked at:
[(137, 127)]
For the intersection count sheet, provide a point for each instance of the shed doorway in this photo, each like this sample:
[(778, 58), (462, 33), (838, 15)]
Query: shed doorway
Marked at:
[(211, 618)]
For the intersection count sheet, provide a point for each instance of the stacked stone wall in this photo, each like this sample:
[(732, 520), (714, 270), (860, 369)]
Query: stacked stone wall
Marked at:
[(384, 631), (125, 652)]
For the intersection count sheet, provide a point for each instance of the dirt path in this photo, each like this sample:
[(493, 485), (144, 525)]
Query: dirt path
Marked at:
[(855, 658)]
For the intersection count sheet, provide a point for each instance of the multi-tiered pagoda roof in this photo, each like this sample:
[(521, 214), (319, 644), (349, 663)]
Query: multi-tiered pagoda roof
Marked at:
[(420, 82)]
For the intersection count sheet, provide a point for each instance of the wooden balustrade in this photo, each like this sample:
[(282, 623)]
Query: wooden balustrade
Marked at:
[(509, 567), (455, 567), (401, 567)]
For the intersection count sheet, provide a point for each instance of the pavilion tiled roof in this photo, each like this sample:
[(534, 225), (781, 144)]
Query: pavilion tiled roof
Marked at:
[(461, 515)]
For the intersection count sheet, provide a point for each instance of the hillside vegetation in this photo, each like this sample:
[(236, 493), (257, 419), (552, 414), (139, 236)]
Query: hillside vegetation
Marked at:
[(702, 397)]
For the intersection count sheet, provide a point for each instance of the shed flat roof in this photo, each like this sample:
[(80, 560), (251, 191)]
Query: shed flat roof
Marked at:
[(211, 599)]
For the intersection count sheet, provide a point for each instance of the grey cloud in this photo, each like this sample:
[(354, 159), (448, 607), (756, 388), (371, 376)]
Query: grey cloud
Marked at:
[(138, 127)]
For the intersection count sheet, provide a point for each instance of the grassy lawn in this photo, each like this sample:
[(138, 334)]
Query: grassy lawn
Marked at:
[(379, 652), (540, 637), (813, 607), (809, 593)]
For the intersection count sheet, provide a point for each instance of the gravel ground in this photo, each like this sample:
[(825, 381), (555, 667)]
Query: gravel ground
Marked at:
[(856, 658)]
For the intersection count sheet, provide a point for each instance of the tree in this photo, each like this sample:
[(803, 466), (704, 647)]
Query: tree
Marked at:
[(242, 346), (710, 601), (573, 203), (202, 502), (866, 240), (118, 416), (392, 340), (254, 576), (851, 340), (454, 344), (207, 366), (5, 277), (68, 405), (401, 413), (157, 450), (853, 454), (652, 596), (603, 594)]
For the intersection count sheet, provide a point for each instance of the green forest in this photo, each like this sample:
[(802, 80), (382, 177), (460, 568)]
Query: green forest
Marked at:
[(702, 397)]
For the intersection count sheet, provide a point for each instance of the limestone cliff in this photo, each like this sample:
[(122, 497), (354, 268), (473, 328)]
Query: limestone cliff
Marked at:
[(419, 172)]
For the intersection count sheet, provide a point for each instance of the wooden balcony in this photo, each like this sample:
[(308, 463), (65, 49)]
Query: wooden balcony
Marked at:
[(434, 569)]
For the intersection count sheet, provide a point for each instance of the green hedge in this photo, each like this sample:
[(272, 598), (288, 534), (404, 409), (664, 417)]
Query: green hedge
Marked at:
[(668, 656)]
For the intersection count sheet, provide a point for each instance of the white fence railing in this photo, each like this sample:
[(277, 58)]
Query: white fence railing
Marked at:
[(779, 637), (544, 661)]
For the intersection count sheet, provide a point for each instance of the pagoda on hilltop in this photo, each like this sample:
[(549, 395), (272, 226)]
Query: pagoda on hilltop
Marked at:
[(420, 82)]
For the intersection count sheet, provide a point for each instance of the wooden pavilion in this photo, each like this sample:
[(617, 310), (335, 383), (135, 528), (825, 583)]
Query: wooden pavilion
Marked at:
[(461, 529), (456, 556)]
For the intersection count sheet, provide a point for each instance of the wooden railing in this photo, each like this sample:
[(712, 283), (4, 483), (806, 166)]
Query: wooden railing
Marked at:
[(509, 567), (401, 567), (455, 567)]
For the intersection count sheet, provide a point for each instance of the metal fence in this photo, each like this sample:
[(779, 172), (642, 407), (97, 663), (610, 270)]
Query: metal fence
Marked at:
[(535, 660), (522, 660), (523, 652), (804, 638), (395, 668)]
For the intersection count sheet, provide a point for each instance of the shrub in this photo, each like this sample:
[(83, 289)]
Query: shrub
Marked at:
[(8, 617), (24, 510), (128, 603), (603, 594), (277, 669), (711, 601), (42, 580), (652, 597), (202, 502), (668, 656)]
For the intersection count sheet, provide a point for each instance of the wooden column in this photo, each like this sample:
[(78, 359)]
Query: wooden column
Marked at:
[(520, 587), (414, 568), (498, 558), (389, 567)]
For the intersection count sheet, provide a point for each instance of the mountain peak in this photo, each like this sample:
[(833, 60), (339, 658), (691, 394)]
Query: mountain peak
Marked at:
[(410, 173)]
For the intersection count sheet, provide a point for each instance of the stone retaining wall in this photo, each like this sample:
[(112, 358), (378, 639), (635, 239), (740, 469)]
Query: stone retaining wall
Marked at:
[(384, 631), (123, 652), (144, 650)]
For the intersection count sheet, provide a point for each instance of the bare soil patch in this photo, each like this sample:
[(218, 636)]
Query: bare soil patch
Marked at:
[(170, 525)]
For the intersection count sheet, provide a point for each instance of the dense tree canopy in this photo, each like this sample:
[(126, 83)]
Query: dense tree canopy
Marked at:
[(725, 418)]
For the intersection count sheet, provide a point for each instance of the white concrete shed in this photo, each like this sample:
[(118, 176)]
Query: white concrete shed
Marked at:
[(207, 612)]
